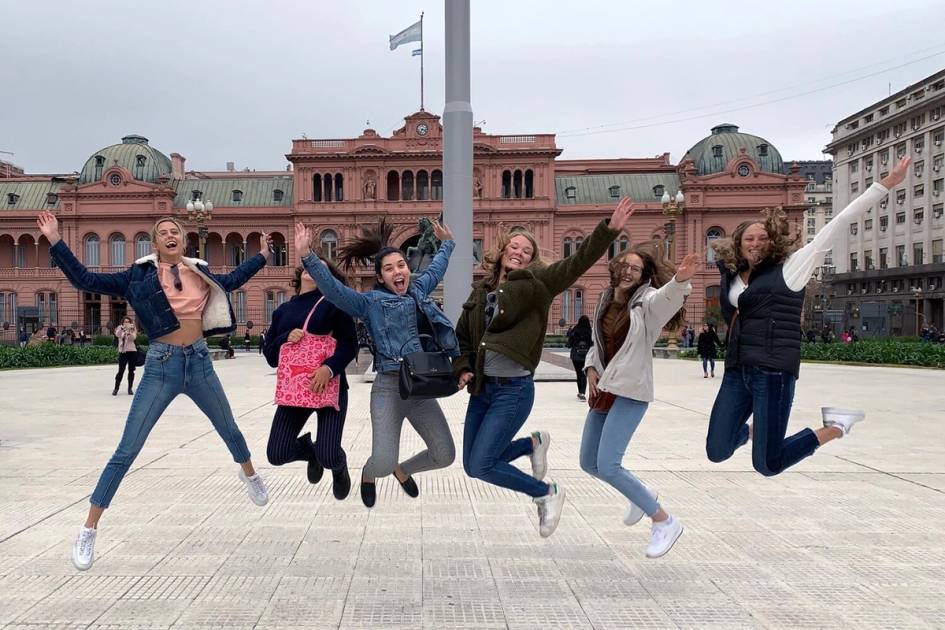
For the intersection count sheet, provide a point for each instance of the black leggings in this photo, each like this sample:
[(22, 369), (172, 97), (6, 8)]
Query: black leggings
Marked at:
[(286, 445), (581, 376), (126, 358)]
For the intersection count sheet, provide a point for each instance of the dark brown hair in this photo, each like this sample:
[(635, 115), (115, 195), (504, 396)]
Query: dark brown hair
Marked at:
[(781, 242), (296, 282), (657, 270), (370, 247)]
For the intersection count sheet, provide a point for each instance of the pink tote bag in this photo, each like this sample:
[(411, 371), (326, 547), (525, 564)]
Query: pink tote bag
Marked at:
[(297, 364)]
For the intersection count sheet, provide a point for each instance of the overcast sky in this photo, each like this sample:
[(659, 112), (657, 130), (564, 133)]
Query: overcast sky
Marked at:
[(236, 81)]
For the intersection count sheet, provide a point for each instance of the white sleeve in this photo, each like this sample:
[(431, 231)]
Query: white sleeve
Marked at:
[(799, 267)]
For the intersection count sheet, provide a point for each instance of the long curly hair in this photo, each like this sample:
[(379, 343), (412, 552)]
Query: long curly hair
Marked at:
[(781, 241), (657, 270), (492, 260)]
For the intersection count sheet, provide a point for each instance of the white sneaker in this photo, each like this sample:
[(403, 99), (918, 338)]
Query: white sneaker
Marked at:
[(844, 419), (549, 510), (83, 551), (539, 456), (634, 512), (663, 536), (256, 487)]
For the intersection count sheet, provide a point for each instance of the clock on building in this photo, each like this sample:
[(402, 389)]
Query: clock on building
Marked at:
[(744, 171), (115, 179), (422, 129)]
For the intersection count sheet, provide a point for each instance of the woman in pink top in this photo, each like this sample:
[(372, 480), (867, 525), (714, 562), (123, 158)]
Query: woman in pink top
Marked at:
[(127, 354)]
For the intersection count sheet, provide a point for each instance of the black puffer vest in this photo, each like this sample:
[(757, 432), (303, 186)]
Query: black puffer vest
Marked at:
[(764, 328)]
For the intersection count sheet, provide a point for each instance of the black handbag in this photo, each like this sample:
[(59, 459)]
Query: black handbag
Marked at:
[(425, 375), (140, 358)]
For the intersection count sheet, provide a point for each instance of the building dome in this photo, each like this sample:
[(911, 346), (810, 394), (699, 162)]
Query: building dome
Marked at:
[(143, 161), (714, 152)]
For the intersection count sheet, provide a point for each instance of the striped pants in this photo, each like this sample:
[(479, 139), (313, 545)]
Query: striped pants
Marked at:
[(286, 445)]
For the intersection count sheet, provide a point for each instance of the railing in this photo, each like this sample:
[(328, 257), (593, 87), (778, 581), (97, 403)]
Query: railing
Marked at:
[(516, 139)]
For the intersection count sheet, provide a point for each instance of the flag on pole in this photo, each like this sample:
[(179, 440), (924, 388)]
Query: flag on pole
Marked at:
[(417, 52), (409, 34)]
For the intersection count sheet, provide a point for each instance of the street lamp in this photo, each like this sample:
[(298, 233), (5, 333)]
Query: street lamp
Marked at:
[(917, 294), (672, 209), (200, 214)]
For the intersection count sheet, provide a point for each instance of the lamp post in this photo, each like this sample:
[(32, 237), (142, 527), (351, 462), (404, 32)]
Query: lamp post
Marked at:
[(917, 294), (200, 213), (672, 209)]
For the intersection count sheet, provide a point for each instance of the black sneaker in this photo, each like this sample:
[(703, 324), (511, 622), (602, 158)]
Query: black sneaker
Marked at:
[(368, 493), (409, 486), (341, 483)]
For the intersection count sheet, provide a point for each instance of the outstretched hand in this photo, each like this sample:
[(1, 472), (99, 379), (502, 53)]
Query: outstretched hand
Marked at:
[(898, 174), (688, 267), (303, 239), (265, 243), (622, 213), (441, 231), (48, 224)]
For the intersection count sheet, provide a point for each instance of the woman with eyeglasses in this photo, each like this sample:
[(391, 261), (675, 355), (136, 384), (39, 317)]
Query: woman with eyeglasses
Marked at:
[(402, 318), (501, 334), (644, 297), (178, 302)]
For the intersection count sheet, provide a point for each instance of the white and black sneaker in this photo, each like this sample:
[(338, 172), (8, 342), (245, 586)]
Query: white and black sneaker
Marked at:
[(256, 488), (663, 536), (549, 509), (83, 551), (539, 454)]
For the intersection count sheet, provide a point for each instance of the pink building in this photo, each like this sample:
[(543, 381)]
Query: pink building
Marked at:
[(337, 185)]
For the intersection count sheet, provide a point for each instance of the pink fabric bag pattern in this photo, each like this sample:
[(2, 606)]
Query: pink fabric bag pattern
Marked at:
[(297, 364)]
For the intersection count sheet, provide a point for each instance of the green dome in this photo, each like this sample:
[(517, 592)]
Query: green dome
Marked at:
[(713, 153), (144, 162)]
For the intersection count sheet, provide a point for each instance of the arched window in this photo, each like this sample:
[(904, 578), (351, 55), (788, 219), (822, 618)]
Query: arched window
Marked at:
[(517, 184), (436, 185), (329, 244), (712, 234), (327, 179), (99, 165), (116, 250), (142, 245), (393, 186), (237, 196), (316, 188), (506, 184), (92, 258), (339, 187), (140, 162), (406, 186), (529, 184), (423, 186), (620, 245), (571, 244)]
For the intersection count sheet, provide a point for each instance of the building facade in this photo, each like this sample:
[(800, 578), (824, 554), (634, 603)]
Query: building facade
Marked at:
[(890, 269), (336, 186)]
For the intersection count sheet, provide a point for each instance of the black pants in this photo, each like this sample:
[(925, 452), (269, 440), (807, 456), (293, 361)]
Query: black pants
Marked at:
[(285, 444), (581, 376), (126, 358)]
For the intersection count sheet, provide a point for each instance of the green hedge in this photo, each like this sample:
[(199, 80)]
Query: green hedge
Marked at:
[(885, 351), (50, 355)]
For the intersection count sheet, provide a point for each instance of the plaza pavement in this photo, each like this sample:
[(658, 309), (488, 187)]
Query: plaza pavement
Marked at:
[(853, 537)]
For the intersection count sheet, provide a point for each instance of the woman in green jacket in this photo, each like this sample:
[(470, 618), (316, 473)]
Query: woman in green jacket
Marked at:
[(501, 333)]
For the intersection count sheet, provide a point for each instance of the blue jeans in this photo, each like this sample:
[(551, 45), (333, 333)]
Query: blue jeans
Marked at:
[(604, 443), (705, 362), (168, 372), (768, 395), (493, 418)]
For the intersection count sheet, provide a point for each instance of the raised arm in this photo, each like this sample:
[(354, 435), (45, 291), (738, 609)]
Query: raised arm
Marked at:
[(799, 267), (115, 284), (433, 274), (562, 274), (250, 267), (347, 299)]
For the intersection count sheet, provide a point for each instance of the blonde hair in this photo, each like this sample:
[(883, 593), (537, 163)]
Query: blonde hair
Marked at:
[(782, 241), (492, 260), (179, 225)]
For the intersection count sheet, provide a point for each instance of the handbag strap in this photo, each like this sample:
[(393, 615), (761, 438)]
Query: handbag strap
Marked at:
[(310, 313), (421, 336)]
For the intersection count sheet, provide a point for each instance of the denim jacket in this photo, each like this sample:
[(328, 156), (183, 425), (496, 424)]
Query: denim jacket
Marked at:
[(139, 284), (392, 318)]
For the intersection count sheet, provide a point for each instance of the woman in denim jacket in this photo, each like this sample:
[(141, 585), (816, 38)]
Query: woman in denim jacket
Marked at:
[(178, 302), (397, 311)]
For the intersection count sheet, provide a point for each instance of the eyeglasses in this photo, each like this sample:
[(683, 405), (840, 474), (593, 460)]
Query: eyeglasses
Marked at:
[(176, 273), (634, 269)]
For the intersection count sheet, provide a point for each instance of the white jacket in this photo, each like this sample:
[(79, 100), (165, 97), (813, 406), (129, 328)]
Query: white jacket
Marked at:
[(629, 373)]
